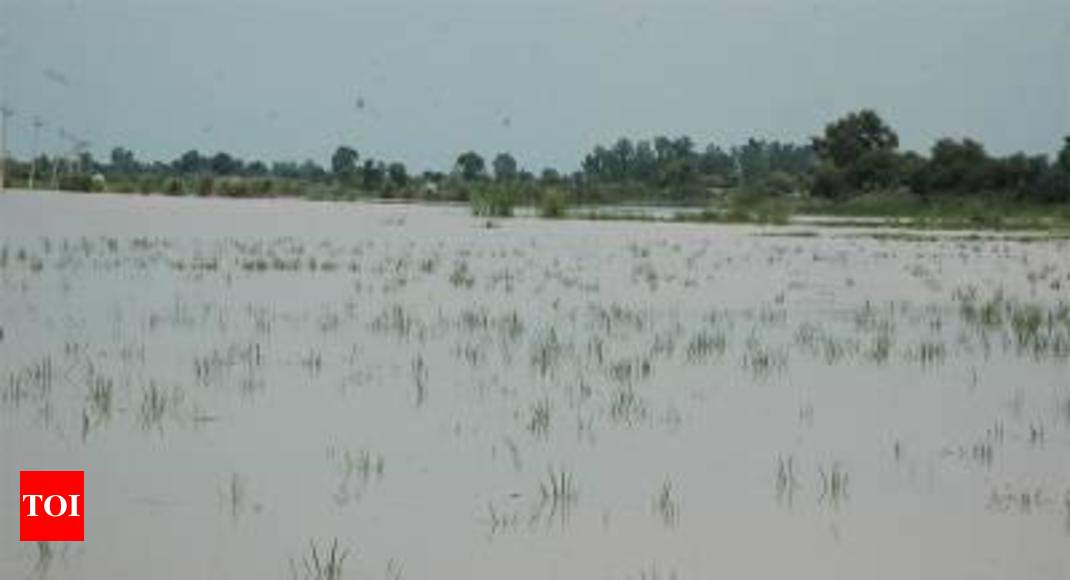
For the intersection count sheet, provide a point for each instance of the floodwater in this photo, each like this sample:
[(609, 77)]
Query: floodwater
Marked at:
[(244, 380)]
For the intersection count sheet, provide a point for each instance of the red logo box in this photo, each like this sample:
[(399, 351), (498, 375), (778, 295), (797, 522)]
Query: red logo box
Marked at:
[(51, 506)]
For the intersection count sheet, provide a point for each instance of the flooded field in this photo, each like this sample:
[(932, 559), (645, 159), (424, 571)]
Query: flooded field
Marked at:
[(271, 389)]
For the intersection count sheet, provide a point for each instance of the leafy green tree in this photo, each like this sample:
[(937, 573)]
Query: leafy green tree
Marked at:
[(123, 162), (646, 162), (373, 175), (344, 162), (716, 161), (224, 164), (397, 174), (621, 160), (1064, 155), (86, 163), (470, 166), (256, 169), (830, 182), (1017, 173), (309, 170), (190, 162), (1052, 186), (595, 164), (550, 176), (663, 149), (753, 160), (285, 169), (505, 167), (846, 140), (876, 169), (955, 166)]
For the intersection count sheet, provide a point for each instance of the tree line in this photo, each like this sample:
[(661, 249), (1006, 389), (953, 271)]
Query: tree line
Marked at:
[(854, 155)]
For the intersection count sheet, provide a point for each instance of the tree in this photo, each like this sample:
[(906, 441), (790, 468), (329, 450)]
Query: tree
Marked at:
[(224, 164), (829, 183), (505, 167), (876, 169), (190, 162), (471, 166), (397, 174), (373, 174), (86, 163), (622, 160), (286, 169), (715, 161), (311, 171), (848, 139), (594, 164), (646, 161), (1064, 155), (344, 162), (122, 161), (550, 176), (753, 159), (955, 166), (663, 148), (256, 169), (1052, 186)]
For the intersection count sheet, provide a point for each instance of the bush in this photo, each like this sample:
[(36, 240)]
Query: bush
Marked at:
[(80, 182), (235, 188), (778, 183), (830, 183), (493, 201), (264, 187), (552, 203), (205, 186), (1052, 187), (173, 186)]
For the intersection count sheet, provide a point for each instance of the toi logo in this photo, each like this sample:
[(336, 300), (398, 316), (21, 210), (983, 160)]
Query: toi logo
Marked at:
[(51, 506)]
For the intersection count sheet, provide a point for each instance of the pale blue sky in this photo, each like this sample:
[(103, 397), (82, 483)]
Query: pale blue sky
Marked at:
[(545, 80)]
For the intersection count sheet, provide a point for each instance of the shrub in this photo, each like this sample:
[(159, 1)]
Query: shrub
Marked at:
[(264, 187), (1053, 186), (830, 183), (778, 183), (173, 186), (79, 182), (234, 188), (552, 203), (205, 186), (493, 201)]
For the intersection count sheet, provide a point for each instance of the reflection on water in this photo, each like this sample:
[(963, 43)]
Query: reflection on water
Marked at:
[(275, 387)]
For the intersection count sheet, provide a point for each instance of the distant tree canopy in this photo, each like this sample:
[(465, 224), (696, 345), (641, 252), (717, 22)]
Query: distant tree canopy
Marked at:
[(855, 154), (849, 139), (123, 161), (672, 168), (397, 174), (1064, 155), (860, 154), (470, 166), (505, 167), (344, 162)]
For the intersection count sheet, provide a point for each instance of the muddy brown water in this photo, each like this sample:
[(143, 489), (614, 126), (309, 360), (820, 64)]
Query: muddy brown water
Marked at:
[(241, 380)]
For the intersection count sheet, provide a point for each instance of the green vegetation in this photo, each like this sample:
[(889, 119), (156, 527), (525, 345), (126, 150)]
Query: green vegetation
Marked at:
[(493, 200), (854, 168), (553, 203)]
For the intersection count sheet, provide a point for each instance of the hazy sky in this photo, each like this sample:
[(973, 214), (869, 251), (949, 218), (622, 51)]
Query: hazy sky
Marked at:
[(545, 80)]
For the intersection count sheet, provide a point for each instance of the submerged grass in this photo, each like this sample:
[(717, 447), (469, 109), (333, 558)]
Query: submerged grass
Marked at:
[(325, 564)]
